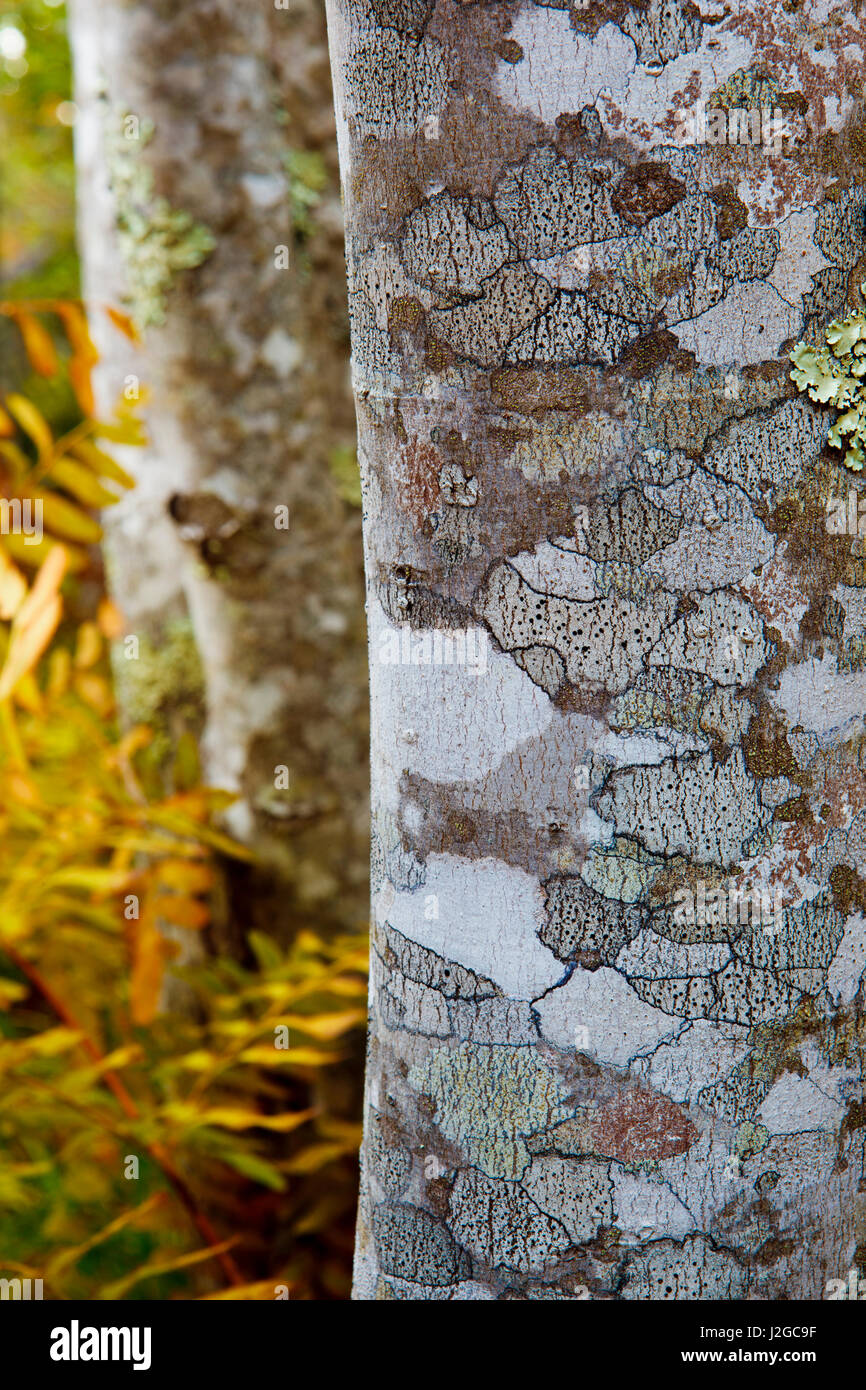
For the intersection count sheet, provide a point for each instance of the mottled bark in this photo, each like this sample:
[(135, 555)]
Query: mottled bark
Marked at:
[(593, 1072), (209, 207)]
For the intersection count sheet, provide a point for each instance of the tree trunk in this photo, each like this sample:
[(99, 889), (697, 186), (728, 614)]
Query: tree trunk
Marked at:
[(619, 801), (209, 209)]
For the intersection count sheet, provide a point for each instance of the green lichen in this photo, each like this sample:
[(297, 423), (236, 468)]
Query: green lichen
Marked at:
[(750, 1139), (795, 809), (625, 872), (753, 89), (849, 890), (766, 748), (673, 700), (163, 687), (774, 1047), (156, 240), (834, 375), (489, 1099), (853, 657), (617, 577), (407, 313), (746, 89)]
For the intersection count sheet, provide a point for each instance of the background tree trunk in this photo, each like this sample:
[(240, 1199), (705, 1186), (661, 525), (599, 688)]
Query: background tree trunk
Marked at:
[(591, 1073), (209, 209)]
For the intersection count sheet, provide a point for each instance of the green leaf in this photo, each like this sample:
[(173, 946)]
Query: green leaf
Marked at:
[(265, 949), (251, 1166)]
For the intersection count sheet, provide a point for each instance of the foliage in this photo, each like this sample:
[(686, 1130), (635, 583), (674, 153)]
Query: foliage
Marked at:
[(834, 375), (37, 227), (133, 1137), (308, 179), (60, 480)]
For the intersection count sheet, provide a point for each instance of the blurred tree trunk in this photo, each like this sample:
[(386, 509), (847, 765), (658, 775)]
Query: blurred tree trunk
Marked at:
[(617, 658), (209, 211)]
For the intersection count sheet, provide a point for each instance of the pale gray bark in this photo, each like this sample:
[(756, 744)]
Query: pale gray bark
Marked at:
[(208, 204), (591, 1074)]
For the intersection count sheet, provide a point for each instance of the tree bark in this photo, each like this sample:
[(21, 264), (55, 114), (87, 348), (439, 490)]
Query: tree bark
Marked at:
[(209, 209), (593, 1071)]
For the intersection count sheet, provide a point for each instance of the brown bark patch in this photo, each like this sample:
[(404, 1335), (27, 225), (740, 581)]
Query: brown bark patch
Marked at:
[(509, 50), (849, 890), (641, 1125), (767, 371), (589, 18), (419, 469), (795, 809), (766, 748), (646, 191), (590, 699), (531, 391), (732, 215), (855, 1119), (820, 559), (776, 1248), (646, 354)]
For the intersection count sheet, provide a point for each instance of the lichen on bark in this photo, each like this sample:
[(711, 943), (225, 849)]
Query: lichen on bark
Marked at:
[(156, 240)]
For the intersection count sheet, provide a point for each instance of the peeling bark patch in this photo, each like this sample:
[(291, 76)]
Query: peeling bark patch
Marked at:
[(581, 924), (408, 16), (693, 1270), (604, 643), (580, 1195), (466, 241), (481, 329), (690, 806), (641, 1127), (502, 1225), (395, 83), (549, 205), (410, 1243), (431, 970)]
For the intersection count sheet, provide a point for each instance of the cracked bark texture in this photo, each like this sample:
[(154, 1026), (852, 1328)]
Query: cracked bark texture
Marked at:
[(219, 116), (589, 1075)]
